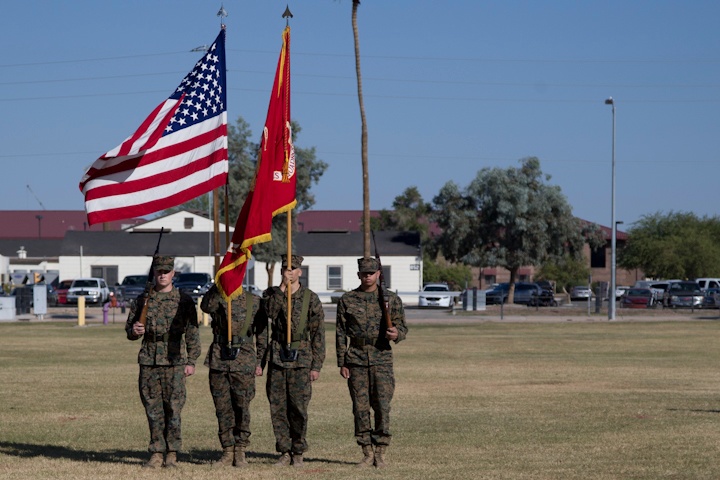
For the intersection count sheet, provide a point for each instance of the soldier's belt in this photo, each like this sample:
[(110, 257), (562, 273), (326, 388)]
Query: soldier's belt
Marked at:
[(153, 337), (222, 339), (280, 338), (362, 341)]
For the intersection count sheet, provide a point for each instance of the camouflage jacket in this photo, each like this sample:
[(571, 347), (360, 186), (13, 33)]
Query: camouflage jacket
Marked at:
[(250, 352), (359, 320), (311, 350), (171, 332)]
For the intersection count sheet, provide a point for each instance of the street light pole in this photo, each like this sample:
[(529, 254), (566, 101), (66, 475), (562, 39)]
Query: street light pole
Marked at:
[(613, 238)]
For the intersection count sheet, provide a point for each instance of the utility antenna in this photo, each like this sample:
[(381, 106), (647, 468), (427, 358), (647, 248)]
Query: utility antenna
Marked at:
[(36, 197)]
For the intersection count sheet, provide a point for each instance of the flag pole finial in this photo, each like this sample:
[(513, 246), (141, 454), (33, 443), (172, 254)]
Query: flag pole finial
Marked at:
[(287, 15), (222, 13)]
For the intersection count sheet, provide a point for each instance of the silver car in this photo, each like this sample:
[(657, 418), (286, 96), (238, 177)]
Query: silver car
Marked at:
[(435, 295), (580, 292), (95, 290)]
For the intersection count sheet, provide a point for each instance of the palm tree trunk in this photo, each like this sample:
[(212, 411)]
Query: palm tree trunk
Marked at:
[(363, 138)]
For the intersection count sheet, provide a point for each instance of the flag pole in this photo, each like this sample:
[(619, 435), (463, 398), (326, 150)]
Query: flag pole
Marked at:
[(216, 227), (287, 15), (227, 244), (289, 288)]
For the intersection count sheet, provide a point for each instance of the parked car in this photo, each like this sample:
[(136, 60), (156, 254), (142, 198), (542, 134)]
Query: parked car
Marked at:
[(525, 292), (708, 283), (61, 291), (546, 285), (620, 291), (95, 290), (638, 298), (580, 292), (254, 289), (435, 295), (684, 294), (131, 287), (712, 298), (546, 298), (498, 294), (661, 290), (193, 284)]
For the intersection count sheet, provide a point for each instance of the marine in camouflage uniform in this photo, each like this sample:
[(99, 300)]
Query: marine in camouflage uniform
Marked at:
[(365, 358), (289, 382), (233, 370), (170, 347)]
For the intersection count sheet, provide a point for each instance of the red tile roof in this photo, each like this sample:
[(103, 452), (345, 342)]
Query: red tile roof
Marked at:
[(53, 224)]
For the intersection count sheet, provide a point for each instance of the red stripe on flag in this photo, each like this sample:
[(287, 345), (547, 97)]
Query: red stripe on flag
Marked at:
[(163, 176), (195, 191), (142, 130)]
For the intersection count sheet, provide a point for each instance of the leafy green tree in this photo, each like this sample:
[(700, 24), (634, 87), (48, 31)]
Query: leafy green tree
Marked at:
[(673, 245), (508, 218), (456, 275), (382, 222), (410, 213), (566, 272)]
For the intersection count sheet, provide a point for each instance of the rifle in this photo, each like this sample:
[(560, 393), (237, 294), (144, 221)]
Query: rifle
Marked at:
[(384, 299), (149, 283)]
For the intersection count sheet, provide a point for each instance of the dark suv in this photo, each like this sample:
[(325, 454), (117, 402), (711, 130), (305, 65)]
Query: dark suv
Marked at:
[(193, 284), (498, 294), (132, 287), (684, 294)]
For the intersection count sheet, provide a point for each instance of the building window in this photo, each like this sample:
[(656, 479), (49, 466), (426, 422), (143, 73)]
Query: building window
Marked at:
[(489, 280), (189, 223), (598, 258), (334, 278), (107, 272)]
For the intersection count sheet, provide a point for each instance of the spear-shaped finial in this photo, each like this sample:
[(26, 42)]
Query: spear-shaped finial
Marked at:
[(222, 13), (287, 15)]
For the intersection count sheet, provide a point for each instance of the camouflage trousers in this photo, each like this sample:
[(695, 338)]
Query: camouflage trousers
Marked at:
[(232, 393), (372, 388), (162, 390), (289, 391)]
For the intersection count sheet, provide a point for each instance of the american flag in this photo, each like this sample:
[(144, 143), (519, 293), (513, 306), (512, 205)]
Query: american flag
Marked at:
[(178, 153)]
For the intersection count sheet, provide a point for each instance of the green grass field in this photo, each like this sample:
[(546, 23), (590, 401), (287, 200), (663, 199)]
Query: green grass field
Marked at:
[(497, 401)]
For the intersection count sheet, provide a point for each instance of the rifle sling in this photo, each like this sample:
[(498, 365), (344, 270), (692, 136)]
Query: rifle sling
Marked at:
[(222, 339), (300, 334)]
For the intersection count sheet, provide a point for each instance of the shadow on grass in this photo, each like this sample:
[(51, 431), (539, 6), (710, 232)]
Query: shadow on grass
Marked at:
[(195, 457), (693, 410)]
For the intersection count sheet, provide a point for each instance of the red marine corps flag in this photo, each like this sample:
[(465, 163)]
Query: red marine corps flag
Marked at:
[(177, 154), (273, 189)]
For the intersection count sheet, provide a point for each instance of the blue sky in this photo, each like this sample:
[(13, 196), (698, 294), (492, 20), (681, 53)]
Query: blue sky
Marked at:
[(450, 87)]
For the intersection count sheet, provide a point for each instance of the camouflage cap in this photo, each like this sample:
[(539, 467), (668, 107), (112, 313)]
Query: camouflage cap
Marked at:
[(163, 263), (368, 265), (296, 261)]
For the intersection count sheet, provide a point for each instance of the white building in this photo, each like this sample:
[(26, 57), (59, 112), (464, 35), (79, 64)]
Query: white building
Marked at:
[(330, 263)]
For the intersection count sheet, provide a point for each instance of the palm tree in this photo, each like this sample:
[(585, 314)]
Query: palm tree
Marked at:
[(363, 138)]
